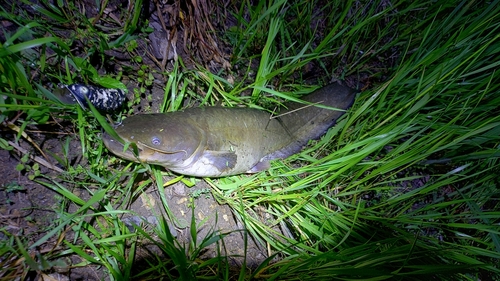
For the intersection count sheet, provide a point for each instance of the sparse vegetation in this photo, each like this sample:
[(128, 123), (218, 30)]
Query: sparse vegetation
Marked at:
[(405, 187)]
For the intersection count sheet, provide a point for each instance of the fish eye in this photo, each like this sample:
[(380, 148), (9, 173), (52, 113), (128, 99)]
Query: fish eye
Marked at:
[(155, 140)]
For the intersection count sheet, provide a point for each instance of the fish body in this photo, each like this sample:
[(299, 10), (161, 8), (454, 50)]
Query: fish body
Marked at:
[(221, 141)]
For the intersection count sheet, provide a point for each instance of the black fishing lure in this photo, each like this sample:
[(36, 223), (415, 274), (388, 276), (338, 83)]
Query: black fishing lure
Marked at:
[(102, 99)]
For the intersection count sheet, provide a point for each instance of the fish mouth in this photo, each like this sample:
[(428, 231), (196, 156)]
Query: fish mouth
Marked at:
[(138, 152), (117, 148)]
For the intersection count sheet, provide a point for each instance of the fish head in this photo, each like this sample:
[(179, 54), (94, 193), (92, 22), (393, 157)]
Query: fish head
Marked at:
[(168, 142)]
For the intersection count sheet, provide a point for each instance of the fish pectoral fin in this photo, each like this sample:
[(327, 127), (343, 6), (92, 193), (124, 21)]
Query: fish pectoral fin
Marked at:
[(260, 166), (222, 160)]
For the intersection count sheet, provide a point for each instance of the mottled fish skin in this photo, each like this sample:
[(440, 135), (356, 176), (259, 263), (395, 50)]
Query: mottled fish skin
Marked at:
[(219, 141), (100, 98)]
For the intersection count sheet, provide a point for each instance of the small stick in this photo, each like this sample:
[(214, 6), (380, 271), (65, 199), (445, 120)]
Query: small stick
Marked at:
[(12, 126), (36, 158), (300, 108)]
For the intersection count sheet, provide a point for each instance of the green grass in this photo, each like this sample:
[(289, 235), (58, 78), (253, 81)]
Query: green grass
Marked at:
[(404, 187)]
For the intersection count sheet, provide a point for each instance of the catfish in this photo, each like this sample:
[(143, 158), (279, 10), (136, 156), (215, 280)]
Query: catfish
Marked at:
[(221, 141)]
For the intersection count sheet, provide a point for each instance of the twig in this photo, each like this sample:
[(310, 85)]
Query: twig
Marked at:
[(36, 158), (292, 111), (12, 126)]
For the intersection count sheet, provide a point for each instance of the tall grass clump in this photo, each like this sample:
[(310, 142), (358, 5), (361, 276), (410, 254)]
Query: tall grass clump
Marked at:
[(409, 183)]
